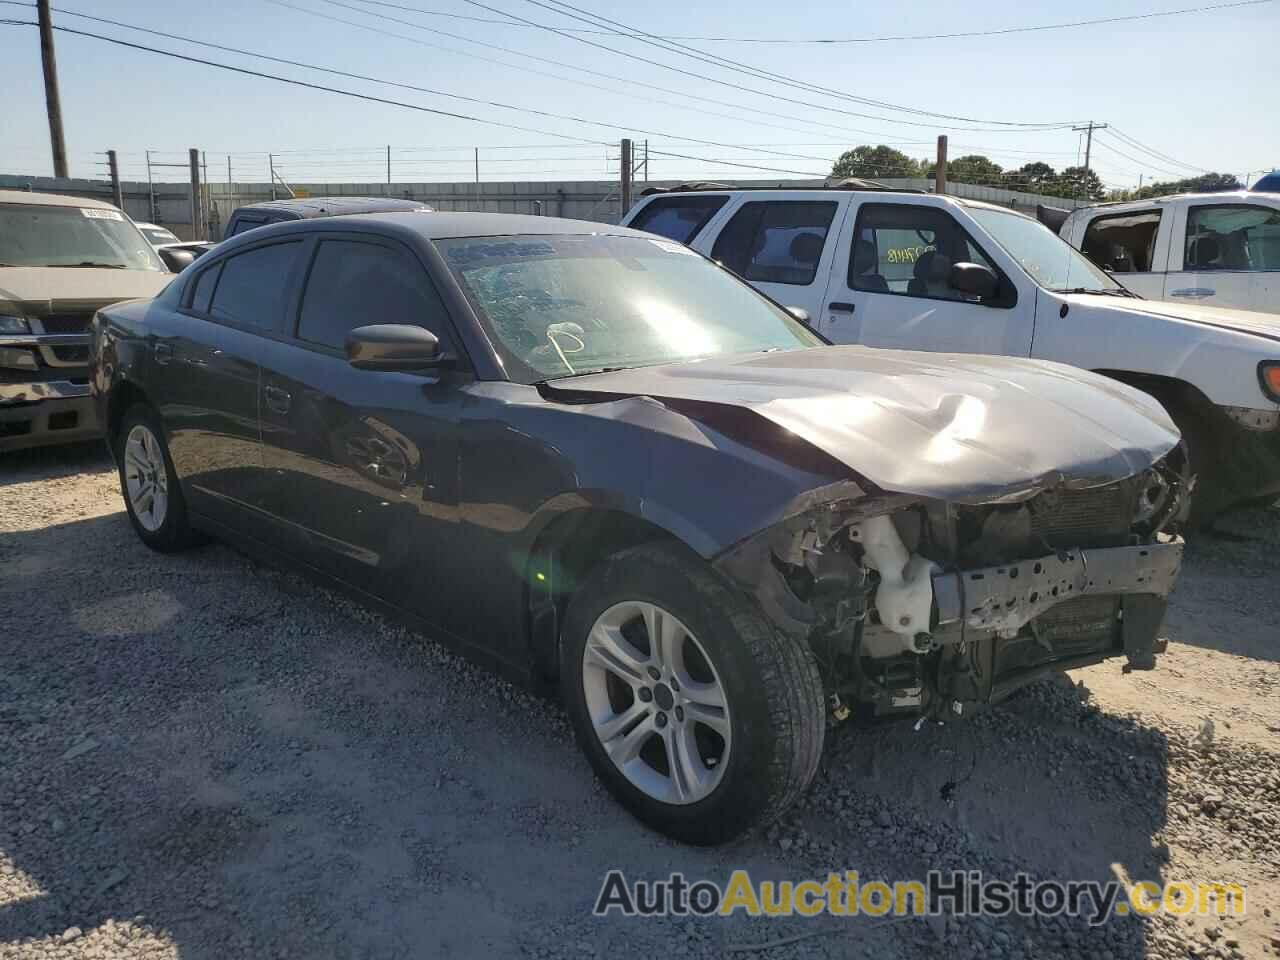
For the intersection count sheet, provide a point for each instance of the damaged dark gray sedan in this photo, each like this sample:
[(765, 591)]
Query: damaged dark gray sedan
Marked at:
[(588, 456)]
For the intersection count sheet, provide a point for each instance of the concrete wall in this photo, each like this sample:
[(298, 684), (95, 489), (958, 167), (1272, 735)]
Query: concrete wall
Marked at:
[(581, 200)]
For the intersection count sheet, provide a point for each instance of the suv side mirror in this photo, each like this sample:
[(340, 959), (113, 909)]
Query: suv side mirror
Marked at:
[(974, 280), (176, 260), (800, 313), (394, 346)]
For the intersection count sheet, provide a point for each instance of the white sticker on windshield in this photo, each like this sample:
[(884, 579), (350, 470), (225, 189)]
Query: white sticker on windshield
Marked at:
[(671, 246), (93, 213)]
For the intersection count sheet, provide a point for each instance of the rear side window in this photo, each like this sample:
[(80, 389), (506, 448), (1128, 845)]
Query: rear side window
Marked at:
[(1232, 237), (352, 283), (254, 286), (245, 223), (1123, 243), (202, 292), (778, 241), (678, 218)]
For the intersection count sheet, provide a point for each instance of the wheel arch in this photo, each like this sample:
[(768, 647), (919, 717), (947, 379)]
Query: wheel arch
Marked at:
[(124, 394), (567, 548), (1168, 390)]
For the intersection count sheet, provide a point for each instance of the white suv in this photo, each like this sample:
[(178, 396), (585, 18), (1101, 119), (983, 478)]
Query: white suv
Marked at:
[(925, 272)]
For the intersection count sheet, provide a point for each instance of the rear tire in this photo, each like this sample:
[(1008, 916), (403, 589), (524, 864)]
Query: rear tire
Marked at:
[(152, 495), (734, 767)]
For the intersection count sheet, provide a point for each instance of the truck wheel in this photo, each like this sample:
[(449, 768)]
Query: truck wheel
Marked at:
[(1204, 458), (697, 716), (152, 495)]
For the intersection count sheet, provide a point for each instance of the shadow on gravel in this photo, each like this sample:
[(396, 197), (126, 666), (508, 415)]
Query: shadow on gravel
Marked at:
[(39, 463), (258, 769)]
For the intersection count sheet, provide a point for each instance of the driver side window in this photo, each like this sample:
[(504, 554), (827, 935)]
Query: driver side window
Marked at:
[(909, 250)]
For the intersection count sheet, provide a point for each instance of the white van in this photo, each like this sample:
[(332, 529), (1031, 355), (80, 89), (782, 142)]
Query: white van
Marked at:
[(925, 272), (1221, 249)]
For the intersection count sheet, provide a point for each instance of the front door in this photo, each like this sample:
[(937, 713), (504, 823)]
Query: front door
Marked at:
[(1230, 257), (363, 462), (207, 362), (890, 286)]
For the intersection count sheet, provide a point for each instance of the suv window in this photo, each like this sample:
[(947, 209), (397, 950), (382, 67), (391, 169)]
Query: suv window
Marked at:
[(353, 283), (909, 249), (1123, 242), (254, 286), (678, 218), (1232, 237), (776, 241), (243, 223)]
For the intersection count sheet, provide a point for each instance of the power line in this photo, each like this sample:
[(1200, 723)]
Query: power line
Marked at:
[(1033, 28), (751, 71), (1137, 145), (414, 87)]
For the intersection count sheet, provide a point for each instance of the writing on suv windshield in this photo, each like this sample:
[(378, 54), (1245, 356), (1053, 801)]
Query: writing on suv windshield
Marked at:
[(40, 235), (558, 306)]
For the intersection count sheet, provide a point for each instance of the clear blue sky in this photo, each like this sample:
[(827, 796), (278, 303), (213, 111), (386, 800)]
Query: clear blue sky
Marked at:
[(1200, 88)]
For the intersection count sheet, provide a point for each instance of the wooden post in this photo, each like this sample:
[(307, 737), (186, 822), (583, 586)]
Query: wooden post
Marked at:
[(940, 177), (627, 173), (117, 195), (197, 228), (52, 102)]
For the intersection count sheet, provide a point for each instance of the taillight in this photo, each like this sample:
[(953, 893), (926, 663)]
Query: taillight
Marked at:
[(1269, 377)]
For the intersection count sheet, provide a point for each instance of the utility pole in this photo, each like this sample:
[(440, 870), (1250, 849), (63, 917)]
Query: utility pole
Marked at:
[(1088, 138), (477, 164), (117, 195), (271, 167), (626, 177), (197, 229), (940, 175), (151, 192), (52, 102), (388, 164)]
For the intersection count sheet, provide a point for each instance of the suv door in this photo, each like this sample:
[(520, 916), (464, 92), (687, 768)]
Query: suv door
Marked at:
[(781, 247), (208, 369), (363, 462), (891, 287), (1125, 245), (1230, 256)]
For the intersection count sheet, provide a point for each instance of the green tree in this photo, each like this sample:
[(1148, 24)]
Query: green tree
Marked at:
[(974, 168), (1036, 177), (1079, 183), (1206, 183), (878, 161)]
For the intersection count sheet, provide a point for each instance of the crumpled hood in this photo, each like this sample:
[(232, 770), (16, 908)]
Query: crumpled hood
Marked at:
[(36, 291), (956, 427), (1241, 321)]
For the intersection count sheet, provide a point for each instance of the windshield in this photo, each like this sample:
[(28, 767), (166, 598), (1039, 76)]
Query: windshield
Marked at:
[(557, 306), (159, 235), (1051, 261), (39, 235)]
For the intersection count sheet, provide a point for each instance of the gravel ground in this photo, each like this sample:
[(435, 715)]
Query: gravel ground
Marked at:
[(204, 757)]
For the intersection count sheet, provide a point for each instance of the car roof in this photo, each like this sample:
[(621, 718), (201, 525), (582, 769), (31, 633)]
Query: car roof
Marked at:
[(782, 194), (309, 207), (1219, 196), (53, 200), (439, 226)]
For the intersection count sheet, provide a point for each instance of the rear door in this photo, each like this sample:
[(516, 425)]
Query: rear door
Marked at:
[(1229, 256), (363, 462), (783, 247), (1126, 245), (208, 368), (890, 286)]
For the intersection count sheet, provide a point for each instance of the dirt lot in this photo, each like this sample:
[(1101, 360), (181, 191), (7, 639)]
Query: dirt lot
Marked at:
[(203, 757)]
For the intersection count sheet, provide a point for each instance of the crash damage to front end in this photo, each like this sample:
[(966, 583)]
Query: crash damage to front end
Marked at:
[(920, 606), (983, 520)]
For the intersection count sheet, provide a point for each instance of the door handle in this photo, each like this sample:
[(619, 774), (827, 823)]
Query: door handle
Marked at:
[(163, 352), (840, 306), (1193, 292), (277, 399)]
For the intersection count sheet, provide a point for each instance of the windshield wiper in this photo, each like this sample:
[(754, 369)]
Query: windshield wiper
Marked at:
[(91, 263), (1118, 292)]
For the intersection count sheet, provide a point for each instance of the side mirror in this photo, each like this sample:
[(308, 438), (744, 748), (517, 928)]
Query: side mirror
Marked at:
[(800, 313), (176, 260), (394, 346), (974, 280)]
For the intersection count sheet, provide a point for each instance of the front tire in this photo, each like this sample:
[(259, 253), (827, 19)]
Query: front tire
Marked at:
[(696, 715), (152, 496)]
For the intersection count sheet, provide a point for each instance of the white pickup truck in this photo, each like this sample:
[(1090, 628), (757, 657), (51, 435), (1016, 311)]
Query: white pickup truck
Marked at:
[(925, 272), (1220, 249)]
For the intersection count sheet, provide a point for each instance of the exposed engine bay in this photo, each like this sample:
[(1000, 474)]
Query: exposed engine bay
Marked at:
[(917, 606)]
